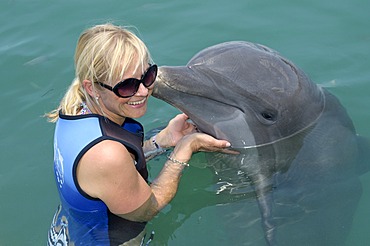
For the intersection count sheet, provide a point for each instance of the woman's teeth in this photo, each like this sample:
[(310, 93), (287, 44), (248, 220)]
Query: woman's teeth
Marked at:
[(137, 102)]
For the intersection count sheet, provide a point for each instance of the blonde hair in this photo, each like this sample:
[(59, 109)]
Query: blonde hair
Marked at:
[(103, 53)]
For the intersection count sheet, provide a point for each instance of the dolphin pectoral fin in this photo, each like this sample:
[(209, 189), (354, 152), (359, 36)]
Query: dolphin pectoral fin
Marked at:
[(264, 200), (263, 189)]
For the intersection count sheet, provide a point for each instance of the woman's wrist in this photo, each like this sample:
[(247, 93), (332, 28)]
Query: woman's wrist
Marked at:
[(171, 157), (182, 152), (153, 141), (153, 148), (161, 139)]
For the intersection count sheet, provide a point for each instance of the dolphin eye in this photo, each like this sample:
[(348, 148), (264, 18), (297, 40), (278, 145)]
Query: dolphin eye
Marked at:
[(268, 116)]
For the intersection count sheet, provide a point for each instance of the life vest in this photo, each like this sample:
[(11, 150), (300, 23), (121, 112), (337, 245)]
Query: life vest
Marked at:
[(81, 219)]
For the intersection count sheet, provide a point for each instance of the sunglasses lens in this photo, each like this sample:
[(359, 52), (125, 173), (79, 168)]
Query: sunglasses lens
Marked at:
[(150, 76), (127, 88)]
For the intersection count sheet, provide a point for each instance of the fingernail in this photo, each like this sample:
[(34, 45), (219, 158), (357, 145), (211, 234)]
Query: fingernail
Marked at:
[(228, 144)]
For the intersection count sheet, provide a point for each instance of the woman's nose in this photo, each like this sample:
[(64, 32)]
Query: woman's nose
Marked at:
[(142, 90)]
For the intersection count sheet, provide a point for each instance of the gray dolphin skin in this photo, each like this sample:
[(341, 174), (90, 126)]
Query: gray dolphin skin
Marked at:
[(299, 152)]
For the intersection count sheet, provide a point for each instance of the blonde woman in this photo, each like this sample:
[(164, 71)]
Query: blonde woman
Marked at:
[(99, 152)]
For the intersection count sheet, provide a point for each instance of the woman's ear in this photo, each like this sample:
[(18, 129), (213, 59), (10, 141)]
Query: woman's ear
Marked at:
[(88, 85)]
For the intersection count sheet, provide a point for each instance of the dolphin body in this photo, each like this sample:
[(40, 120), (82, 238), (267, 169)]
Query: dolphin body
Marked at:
[(299, 152)]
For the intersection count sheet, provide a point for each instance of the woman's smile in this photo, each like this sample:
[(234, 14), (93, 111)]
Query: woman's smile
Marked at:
[(135, 103)]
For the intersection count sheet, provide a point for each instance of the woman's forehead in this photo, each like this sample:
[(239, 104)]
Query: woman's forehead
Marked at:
[(133, 70)]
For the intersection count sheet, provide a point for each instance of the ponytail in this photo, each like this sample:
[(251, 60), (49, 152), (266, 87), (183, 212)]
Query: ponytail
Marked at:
[(71, 102)]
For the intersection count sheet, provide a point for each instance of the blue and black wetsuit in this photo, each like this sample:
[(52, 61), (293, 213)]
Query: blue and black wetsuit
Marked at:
[(81, 219)]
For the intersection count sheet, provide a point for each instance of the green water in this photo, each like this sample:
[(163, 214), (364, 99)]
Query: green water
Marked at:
[(330, 40)]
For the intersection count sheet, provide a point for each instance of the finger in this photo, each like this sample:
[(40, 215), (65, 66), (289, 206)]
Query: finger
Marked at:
[(218, 146), (183, 116), (222, 144), (230, 151), (179, 118)]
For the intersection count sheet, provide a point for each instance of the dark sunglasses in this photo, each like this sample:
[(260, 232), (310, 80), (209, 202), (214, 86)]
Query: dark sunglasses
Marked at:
[(129, 87)]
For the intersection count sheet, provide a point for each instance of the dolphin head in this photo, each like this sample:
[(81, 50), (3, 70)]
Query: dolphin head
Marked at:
[(242, 92)]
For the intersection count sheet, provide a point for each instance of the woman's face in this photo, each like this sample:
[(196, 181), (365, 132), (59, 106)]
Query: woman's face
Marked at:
[(117, 108)]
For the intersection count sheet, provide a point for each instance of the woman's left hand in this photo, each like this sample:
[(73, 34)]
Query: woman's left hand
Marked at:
[(176, 129)]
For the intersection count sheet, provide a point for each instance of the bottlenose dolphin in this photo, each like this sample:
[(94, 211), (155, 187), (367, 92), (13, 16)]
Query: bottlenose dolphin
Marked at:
[(299, 152)]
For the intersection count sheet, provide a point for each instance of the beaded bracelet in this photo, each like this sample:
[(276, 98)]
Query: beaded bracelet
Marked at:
[(177, 161)]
